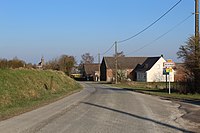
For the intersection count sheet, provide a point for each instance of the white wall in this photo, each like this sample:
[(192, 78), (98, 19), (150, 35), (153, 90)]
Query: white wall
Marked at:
[(155, 74)]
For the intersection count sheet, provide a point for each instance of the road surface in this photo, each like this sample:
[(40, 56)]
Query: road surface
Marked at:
[(102, 109)]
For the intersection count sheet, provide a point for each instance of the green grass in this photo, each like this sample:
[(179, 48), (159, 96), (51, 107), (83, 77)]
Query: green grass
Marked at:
[(154, 89), (22, 90)]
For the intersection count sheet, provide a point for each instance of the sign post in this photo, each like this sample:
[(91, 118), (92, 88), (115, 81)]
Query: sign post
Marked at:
[(168, 69), (169, 85)]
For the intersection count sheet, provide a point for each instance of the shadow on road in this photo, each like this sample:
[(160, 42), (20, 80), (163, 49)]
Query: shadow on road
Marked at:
[(139, 117), (116, 89)]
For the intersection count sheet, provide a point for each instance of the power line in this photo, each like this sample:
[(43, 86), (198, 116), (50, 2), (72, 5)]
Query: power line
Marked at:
[(108, 49), (150, 24), (141, 30), (105, 51), (162, 34)]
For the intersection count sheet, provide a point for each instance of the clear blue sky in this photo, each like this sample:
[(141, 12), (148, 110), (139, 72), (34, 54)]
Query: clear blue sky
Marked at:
[(34, 28)]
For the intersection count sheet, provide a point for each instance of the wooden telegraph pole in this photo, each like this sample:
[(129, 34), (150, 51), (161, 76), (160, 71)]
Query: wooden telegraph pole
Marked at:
[(115, 62), (197, 47), (99, 66), (196, 26)]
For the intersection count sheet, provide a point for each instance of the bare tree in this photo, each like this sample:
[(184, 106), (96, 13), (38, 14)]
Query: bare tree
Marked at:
[(191, 59), (87, 58), (52, 64), (3, 63), (14, 63), (64, 63)]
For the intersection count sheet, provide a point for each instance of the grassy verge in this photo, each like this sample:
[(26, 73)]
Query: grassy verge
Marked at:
[(153, 89), (23, 90)]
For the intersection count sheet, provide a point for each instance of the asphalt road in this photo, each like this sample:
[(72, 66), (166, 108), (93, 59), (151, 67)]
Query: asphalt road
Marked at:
[(102, 109)]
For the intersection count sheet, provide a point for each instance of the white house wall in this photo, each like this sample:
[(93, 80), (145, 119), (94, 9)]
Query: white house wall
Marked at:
[(155, 74)]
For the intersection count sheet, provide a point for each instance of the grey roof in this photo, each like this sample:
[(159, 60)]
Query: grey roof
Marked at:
[(148, 64), (124, 62)]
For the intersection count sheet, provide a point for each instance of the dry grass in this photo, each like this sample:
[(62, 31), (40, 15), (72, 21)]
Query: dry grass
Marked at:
[(158, 89), (22, 89)]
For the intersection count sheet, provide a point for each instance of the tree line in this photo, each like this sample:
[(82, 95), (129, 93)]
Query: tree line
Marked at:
[(65, 63), (13, 63)]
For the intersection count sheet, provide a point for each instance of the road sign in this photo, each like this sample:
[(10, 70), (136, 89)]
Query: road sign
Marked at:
[(165, 72), (169, 64), (169, 69), (169, 60)]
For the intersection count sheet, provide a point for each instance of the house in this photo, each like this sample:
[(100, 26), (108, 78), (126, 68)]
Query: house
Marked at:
[(91, 71), (152, 70), (125, 65)]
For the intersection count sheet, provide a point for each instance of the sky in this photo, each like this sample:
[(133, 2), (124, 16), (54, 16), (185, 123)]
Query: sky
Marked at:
[(30, 29)]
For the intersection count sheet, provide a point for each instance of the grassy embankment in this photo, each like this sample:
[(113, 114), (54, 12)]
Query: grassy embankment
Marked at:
[(156, 89), (23, 90)]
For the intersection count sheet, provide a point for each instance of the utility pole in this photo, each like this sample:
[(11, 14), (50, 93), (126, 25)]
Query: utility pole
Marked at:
[(115, 62), (196, 27), (99, 66), (197, 47), (99, 58)]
